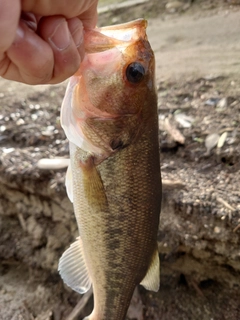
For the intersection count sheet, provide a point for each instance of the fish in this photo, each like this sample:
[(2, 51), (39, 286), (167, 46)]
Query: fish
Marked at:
[(109, 115)]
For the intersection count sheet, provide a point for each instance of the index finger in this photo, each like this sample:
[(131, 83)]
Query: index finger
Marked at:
[(9, 17), (86, 10)]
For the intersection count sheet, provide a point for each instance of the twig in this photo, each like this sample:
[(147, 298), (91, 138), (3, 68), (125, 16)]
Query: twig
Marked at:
[(193, 283), (174, 132), (227, 205), (236, 228), (53, 164), (196, 287), (172, 184), (22, 222), (79, 307)]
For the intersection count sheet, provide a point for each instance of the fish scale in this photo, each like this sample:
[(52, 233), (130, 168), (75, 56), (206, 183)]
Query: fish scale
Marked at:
[(117, 232), (116, 191)]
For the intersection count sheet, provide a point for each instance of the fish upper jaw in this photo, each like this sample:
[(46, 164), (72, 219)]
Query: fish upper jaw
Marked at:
[(121, 35)]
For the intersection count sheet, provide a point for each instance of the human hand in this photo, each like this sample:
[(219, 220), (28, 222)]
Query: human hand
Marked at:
[(42, 41)]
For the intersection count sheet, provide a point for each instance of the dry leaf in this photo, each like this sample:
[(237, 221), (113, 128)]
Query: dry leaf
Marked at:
[(222, 140), (174, 132), (211, 141), (184, 120)]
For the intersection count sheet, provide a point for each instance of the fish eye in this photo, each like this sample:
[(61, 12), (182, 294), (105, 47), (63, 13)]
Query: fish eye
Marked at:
[(135, 72)]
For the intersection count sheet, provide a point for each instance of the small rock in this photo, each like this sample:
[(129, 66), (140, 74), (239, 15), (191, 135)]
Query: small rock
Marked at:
[(8, 150), (20, 122), (58, 214), (217, 230), (47, 133), (212, 102), (2, 128), (222, 104), (35, 230), (53, 243), (174, 6)]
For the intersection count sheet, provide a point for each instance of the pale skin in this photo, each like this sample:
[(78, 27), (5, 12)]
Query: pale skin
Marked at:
[(41, 41)]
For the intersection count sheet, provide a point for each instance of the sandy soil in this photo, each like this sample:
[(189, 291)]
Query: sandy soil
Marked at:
[(197, 58), (197, 43)]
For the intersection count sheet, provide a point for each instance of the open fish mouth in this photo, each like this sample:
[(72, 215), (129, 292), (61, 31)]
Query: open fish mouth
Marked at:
[(105, 38)]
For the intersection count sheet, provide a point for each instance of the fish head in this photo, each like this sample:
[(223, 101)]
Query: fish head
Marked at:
[(112, 90), (119, 70)]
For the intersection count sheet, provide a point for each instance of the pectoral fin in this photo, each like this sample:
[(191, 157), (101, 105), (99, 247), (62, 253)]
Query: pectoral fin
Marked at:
[(152, 279), (73, 269), (93, 185)]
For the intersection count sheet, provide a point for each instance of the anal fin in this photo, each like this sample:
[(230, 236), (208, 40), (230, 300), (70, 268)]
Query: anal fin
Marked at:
[(73, 269), (151, 281)]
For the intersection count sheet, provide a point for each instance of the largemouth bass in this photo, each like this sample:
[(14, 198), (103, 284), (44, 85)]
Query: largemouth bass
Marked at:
[(110, 117)]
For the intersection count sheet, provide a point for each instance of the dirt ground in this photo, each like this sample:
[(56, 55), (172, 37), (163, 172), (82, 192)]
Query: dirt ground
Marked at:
[(197, 68)]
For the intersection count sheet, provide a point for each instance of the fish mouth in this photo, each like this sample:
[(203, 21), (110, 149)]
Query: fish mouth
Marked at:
[(121, 35)]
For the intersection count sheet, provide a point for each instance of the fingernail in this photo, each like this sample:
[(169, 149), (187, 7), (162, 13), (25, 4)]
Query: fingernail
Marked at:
[(77, 36), (61, 36)]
